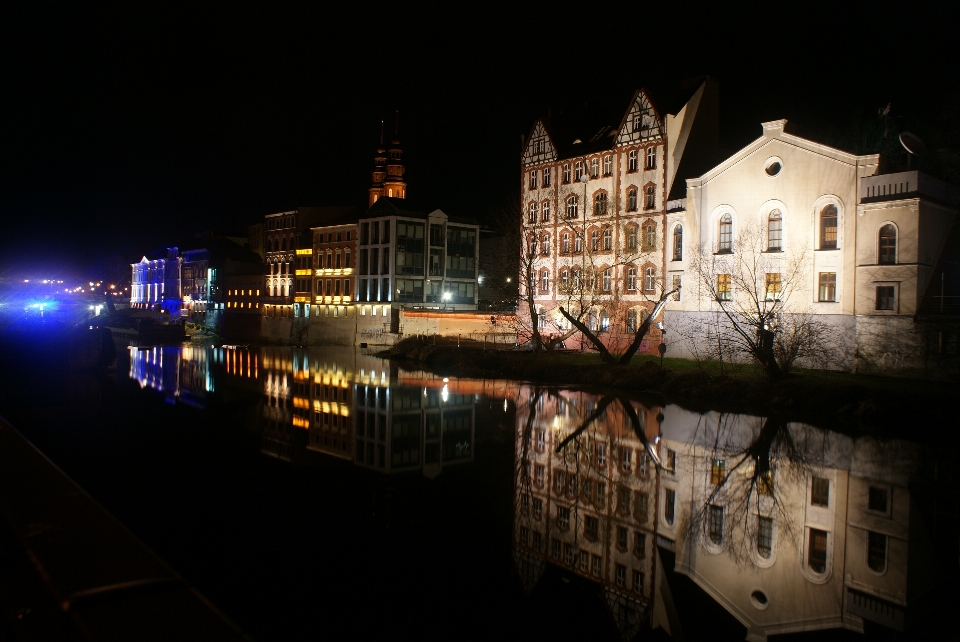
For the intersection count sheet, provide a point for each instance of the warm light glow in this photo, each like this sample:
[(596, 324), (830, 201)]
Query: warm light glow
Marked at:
[(306, 251)]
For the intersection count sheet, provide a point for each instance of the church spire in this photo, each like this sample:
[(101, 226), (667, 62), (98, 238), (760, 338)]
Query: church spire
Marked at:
[(388, 167)]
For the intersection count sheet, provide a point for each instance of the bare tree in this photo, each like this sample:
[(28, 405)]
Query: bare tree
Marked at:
[(753, 289)]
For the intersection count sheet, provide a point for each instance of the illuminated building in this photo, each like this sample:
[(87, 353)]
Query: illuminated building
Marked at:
[(388, 170), (594, 198), (329, 272), (869, 252), (416, 260), (155, 282)]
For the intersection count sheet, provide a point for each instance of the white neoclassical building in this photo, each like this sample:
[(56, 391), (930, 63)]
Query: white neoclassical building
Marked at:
[(826, 233)]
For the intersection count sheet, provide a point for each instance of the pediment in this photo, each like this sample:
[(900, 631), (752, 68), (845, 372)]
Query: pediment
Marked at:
[(540, 147), (641, 123)]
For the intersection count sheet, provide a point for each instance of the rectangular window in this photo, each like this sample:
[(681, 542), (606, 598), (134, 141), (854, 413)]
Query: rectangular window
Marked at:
[(537, 541), (817, 551), (631, 278), (537, 508), (538, 473), (638, 581), (877, 552), (879, 500), (601, 493), (555, 547), (632, 161), (718, 471), (639, 544), (607, 165), (584, 561), (669, 501), (524, 535), (622, 537), (591, 528), (716, 524), (601, 450), (828, 286), (820, 491), (578, 170), (723, 287), (569, 553), (546, 177), (621, 575), (533, 179), (765, 537), (566, 173), (563, 517), (886, 297), (651, 157), (676, 286), (597, 567), (773, 286)]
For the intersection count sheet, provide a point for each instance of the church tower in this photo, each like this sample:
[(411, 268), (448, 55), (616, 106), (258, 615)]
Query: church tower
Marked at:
[(388, 168)]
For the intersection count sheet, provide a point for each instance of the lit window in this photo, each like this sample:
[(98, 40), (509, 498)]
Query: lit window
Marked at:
[(828, 228), (718, 471), (773, 286), (774, 232), (888, 245), (723, 287), (828, 286)]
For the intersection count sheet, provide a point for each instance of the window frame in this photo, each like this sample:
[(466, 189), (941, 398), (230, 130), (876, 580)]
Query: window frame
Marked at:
[(775, 234), (822, 219), (890, 251), (826, 288), (725, 233), (678, 242), (651, 161)]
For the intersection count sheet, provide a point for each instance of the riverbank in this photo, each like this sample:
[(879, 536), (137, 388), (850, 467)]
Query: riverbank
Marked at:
[(860, 404)]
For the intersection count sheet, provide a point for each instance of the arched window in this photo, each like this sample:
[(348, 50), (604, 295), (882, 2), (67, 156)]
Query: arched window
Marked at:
[(545, 211), (632, 199), (572, 207), (578, 242), (650, 198), (828, 227), (774, 232), (726, 234), (594, 241), (649, 281), (678, 243), (607, 240), (565, 243), (888, 244), (649, 237), (607, 279), (600, 203)]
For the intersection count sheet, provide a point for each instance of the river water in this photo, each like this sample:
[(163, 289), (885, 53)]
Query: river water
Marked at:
[(322, 492)]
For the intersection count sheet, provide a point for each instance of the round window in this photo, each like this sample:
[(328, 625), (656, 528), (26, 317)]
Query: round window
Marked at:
[(773, 167), (759, 600)]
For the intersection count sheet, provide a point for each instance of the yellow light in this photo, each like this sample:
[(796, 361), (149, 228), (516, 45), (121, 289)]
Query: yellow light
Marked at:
[(306, 251), (300, 422)]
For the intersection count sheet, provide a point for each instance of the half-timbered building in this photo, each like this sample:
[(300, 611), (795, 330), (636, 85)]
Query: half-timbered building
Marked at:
[(593, 197)]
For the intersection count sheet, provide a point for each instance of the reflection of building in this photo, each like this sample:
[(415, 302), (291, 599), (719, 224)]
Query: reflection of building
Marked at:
[(182, 373), (788, 527), (589, 506), (792, 528)]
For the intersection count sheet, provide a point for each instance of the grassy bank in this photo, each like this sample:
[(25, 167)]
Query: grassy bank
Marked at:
[(852, 403)]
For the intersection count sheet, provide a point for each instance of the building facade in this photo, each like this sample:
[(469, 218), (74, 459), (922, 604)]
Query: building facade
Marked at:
[(594, 209), (824, 233)]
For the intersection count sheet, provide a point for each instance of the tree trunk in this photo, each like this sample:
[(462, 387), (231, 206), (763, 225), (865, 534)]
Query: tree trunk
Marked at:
[(605, 355)]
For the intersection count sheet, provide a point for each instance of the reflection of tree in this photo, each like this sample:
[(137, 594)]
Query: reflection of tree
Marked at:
[(749, 483)]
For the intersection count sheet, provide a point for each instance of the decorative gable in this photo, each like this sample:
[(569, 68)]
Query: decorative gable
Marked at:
[(642, 122), (539, 148)]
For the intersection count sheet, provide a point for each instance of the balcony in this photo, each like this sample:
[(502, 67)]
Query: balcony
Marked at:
[(914, 184)]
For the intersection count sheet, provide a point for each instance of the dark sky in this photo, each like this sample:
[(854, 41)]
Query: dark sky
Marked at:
[(125, 128)]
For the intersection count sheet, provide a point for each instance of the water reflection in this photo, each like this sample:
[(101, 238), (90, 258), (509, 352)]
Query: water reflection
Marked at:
[(788, 527), (332, 401)]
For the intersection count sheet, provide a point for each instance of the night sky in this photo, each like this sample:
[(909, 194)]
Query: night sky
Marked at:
[(125, 128)]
